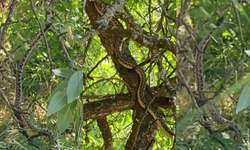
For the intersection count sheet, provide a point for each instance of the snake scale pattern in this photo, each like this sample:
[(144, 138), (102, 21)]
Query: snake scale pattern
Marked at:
[(200, 81), (100, 7), (24, 120)]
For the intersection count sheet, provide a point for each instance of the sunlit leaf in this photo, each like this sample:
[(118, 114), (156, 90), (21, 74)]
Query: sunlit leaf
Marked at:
[(63, 72), (247, 52)]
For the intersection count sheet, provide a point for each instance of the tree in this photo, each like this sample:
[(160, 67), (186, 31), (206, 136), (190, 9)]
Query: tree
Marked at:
[(135, 39), (104, 18)]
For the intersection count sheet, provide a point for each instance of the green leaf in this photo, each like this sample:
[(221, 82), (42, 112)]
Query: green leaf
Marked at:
[(73, 106), (244, 100), (247, 52), (75, 86), (57, 102), (64, 72), (130, 3), (81, 111), (64, 118), (60, 87)]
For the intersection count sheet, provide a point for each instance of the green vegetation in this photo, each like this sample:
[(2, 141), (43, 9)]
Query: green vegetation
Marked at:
[(226, 73), (73, 86)]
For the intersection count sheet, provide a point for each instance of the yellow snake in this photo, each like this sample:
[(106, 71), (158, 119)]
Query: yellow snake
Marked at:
[(142, 85)]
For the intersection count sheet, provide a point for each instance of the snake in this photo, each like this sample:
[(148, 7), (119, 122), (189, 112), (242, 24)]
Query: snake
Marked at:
[(200, 80), (142, 77), (23, 117), (223, 121), (199, 59)]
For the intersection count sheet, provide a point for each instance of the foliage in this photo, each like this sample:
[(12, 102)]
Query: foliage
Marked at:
[(226, 72), (64, 73), (38, 79)]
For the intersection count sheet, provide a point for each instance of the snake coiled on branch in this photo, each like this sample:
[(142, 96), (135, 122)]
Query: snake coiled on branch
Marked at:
[(142, 77)]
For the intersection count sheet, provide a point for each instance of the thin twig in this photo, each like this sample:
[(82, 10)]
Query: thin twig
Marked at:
[(44, 36), (244, 46)]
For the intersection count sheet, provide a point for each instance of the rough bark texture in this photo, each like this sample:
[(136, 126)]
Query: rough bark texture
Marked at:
[(144, 127)]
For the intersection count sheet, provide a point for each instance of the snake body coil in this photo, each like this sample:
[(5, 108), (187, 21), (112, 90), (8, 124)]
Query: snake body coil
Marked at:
[(200, 81), (24, 120), (142, 85), (199, 59)]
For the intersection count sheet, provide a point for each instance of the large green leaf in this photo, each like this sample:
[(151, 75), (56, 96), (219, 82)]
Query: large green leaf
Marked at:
[(57, 102), (64, 118), (75, 86), (64, 72), (244, 100), (60, 87)]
